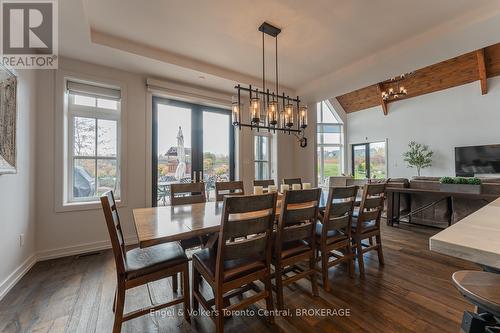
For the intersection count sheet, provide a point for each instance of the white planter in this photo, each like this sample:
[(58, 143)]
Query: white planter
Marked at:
[(460, 188)]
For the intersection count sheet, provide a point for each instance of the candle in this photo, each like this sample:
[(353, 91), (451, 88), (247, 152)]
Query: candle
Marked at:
[(303, 117), (295, 187), (272, 188), (272, 113), (255, 110), (236, 113), (306, 186), (284, 187), (289, 115), (258, 190), (200, 179)]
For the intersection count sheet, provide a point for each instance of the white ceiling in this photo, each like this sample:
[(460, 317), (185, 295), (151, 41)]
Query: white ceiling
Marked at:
[(323, 46)]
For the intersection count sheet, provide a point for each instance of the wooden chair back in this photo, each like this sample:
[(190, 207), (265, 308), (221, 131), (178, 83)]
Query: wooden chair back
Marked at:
[(246, 229), (291, 181), (228, 188), (372, 205), (115, 230), (299, 211), (187, 193), (263, 183), (338, 210)]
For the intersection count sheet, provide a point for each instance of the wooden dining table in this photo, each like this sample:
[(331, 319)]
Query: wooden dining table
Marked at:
[(157, 225)]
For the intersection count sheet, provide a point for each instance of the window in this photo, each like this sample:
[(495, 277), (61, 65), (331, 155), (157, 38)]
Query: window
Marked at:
[(262, 158), (330, 142), (93, 164), (369, 160)]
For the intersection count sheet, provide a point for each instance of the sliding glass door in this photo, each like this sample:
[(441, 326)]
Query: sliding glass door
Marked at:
[(369, 160), (190, 142)]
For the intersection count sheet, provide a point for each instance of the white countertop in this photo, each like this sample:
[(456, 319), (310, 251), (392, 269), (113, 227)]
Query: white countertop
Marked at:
[(475, 238)]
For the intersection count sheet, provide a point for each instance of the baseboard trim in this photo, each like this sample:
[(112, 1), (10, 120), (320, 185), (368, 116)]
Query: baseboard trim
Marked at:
[(16, 275), (79, 249)]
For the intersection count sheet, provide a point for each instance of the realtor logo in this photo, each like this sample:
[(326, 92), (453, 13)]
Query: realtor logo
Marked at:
[(29, 34)]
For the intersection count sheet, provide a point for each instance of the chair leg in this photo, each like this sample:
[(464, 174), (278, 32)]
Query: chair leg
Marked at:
[(361, 264), (324, 270), (350, 259), (185, 292), (269, 298), (120, 302), (196, 288), (174, 283), (313, 275), (219, 317), (279, 286), (379, 250)]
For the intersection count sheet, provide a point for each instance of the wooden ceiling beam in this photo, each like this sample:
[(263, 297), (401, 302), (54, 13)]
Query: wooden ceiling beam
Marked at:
[(382, 102), (466, 68), (481, 65)]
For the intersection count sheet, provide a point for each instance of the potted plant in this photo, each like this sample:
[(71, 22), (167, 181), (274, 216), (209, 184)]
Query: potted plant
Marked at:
[(418, 156), (460, 185)]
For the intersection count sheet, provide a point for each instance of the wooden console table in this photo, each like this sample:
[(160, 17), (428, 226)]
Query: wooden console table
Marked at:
[(394, 199)]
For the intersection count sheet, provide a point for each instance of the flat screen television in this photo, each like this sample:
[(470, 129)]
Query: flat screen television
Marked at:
[(477, 160)]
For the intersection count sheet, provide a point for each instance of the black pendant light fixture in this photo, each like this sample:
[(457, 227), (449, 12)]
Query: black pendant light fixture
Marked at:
[(270, 110)]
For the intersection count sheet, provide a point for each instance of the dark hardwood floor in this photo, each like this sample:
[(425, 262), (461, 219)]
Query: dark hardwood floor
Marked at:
[(411, 293)]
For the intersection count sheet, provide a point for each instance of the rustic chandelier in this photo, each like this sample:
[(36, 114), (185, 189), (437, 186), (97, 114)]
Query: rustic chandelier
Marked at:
[(270, 110), (400, 91)]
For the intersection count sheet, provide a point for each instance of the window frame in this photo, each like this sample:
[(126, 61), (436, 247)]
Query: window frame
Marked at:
[(60, 175), (96, 113), (321, 145), (268, 136), (367, 157)]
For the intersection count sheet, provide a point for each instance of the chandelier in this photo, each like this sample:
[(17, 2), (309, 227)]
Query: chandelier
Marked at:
[(395, 82), (270, 110)]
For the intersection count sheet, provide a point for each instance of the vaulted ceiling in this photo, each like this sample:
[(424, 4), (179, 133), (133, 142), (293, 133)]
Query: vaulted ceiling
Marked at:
[(466, 68), (327, 47)]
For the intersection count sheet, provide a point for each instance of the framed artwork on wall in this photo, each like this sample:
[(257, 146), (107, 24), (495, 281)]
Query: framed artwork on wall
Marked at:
[(8, 120)]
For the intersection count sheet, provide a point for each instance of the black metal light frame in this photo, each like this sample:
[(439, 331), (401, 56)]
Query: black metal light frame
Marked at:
[(298, 128)]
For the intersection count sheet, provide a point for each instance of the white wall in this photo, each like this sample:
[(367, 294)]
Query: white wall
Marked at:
[(459, 116), (17, 194)]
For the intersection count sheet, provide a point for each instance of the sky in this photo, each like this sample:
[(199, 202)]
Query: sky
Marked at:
[(215, 133)]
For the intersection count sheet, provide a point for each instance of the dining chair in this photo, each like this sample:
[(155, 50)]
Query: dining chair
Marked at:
[(141, 266), (187, 193), (367, 224), (264, 183), (243, 256), (295, 239), (333, 233), (228, 188), (291, 181)]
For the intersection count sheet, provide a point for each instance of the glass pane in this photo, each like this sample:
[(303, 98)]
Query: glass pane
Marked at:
[(377, 160), (215, 150), (83, 136), (261, 170), (319, 168), (106, 138), (83, 178), (107, 104), (332, 138), (84, 100), (328, 116), (106, 177), (174, 148), (261, 146), (332, 160), (359, 162)]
